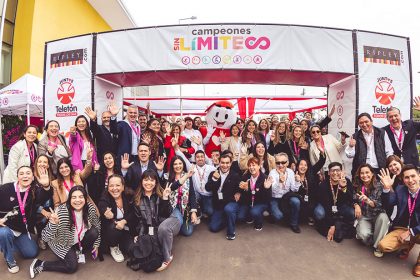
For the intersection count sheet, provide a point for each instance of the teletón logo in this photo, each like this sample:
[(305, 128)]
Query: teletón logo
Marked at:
[(384, 91), (66, 91)]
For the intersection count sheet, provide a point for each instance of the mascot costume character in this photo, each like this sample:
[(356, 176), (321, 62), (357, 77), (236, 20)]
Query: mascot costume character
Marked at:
[(220, 117)]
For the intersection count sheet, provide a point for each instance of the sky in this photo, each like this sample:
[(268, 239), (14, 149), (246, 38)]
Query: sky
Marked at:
[(384, 16)]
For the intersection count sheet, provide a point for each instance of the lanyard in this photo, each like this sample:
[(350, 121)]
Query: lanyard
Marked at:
[(67, 187), (79, 232), (22, 203), (335, 195), (305, 185), (399, 137), (363, 192), (135, 128), (411, 206), (322, 145), (296, 148), (201, 176), (252, 184), (31, 151)]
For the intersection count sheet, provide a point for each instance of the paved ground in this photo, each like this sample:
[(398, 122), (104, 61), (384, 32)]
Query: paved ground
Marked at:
[(274, 253)]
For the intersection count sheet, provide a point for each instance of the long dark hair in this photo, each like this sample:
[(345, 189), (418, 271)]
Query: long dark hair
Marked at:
[(87, 130), (114, 169), (245, 131), (26, 129), (357, 181), (60, 178), (85, 208), (307, 164), (140, 191), (265, 156), (171, 178)]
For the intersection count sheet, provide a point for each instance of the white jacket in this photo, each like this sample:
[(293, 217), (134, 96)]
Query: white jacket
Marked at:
[(18, 156), (333, 147)]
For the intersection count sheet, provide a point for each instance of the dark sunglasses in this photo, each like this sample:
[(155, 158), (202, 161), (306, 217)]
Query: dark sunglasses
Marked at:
[(281, 162), (315, 131)]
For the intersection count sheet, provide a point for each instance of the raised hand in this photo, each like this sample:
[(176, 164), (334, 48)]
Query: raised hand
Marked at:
[(196, 140), (160, 164), (167, 191), (297, 177), (120, 224), (51, 147), (89, 153), (72, 130), (108, 213), (237, 196), (216, 175), (43, 177), (210, 129), (357, 211), (386, 179), (146, 138), (343, 182), (416, 103), (54, 217), (97, 167), (352, 142), (113, 109), (330, 235), (304, 145), (191, 171), (243, 185), (125, 164), (268, 182), (272, 136), (332, 111), (194, 218), (90, 113), (222, 136), (282, 178)]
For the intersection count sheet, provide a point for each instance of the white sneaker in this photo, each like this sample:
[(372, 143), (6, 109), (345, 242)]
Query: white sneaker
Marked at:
[(13, 268), (198, 221), (116, 254)]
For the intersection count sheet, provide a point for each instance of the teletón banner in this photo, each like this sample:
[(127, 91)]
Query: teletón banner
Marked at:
[(68, 79), (225, 46)]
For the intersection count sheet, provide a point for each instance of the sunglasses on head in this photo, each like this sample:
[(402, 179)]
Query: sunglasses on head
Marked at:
[(281, 162)]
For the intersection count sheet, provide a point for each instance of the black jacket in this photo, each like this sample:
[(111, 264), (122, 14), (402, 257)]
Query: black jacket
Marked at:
[(229, 188), (105, 140), (312, 181), (133, 175), (262, 195), (106, 201)]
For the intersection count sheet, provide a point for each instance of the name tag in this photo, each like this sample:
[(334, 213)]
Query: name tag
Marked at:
[(334, 209), (81, 258), (151, 230), (306, 198), (220, 195)]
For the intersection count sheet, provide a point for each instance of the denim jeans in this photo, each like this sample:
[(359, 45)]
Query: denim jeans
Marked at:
[(217, 221), (319, 212), (231, 211), (293, 205), (343, 210), (255, 213), (206, 204), (10, 243), (187, 227)]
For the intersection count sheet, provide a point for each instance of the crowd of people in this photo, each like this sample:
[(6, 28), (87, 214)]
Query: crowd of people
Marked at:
[(121, 186)]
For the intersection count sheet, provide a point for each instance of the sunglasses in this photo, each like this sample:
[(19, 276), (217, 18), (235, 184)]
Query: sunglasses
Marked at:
[(315, 131), (281, 162)]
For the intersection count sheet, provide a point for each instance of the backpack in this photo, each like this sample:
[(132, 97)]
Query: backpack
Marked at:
[(145, 254)]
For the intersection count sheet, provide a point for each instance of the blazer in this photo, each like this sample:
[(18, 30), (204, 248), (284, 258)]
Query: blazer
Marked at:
[(59, 191), (262, 195), (105, 140), (125, 141), (232, 145), (243, 162), (53, 159), (133, 175), (333, 148), (106, 201), (76, 147), (60, 237), (18, 156), (409, 148), (399, 198), (229, 188)]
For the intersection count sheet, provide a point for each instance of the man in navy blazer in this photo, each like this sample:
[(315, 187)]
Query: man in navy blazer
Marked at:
[(406, 225), (402, 135)]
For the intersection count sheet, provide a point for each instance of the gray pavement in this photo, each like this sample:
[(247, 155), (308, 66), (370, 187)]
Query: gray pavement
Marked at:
[(274, 253)]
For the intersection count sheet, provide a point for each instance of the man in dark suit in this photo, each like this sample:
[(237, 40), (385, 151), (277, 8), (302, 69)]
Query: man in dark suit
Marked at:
[(402, 135), (406, 225), (105, 140), (132, 171), (224, 184)]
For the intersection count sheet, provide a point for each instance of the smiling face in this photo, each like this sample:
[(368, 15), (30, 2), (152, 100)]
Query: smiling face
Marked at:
[(52, 129), (225, 163), (200, 159), (281, 163), (106, 118), (395, 167), (155, 126), (263, 125), (260, 149), (253, 168), (77, 200), (64, 169), (142, 121), (365, 124), (143, 153), (366, 175), (132, 114), (394, 118), (221, 117), (30, 135), (188, 124), (115, 187), (304, 125), (25, 177), (316, 133), (282, 128), (411, 180), (235, 131), (297, 132), (303, 167), (178, 166), (42, 162), (335, 174), (81, 124), (148, 184), (251, 126), (109, 161)]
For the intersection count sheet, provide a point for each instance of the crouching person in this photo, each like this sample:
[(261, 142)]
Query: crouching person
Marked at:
[(73, 232)]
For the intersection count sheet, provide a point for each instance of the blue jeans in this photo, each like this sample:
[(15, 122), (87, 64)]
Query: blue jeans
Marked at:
[(319, 212), (187, 228), (231, 210), (10, 243), (217, 221), (293, 204), (255, 213), (206, 204)]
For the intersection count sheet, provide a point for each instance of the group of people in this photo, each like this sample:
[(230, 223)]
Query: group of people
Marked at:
[(110, 184)]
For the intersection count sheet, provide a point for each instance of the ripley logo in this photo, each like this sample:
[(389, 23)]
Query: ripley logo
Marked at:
[(385, 94), (382, 55), (68, 58)]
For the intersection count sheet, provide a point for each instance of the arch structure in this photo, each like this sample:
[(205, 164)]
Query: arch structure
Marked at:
[(363, 71)]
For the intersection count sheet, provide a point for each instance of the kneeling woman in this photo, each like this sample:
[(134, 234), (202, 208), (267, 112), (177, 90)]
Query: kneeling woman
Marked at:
[(73, 232), (115, 212), (372, 220), (153, 212)]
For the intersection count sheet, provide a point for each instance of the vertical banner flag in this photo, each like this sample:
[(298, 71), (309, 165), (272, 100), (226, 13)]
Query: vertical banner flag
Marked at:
[(342, 94), (106, 93), (68, 76), (384, 75)]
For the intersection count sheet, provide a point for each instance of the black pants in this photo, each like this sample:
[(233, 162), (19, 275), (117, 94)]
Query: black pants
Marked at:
[(69, 263), (114, 237)]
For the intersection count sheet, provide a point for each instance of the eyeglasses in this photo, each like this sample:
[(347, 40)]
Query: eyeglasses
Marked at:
[(315, 131), (281, 162), (335, 170)]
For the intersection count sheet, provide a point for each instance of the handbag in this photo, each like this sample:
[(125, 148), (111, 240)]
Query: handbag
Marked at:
[(145, 254)]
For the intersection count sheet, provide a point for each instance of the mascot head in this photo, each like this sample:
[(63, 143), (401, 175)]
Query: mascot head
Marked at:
[(221, 114)]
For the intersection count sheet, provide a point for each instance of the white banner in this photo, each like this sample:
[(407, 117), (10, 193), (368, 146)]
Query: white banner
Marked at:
[(106, 93), (384, 75), (343, 95), (68, 79), (225, 46)]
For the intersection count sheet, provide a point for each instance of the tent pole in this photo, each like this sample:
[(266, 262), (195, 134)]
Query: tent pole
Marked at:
[(1, 152), (28, 115)]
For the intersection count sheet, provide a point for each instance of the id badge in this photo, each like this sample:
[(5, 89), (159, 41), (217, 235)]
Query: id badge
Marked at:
[(151, 230), (81, 257), (220, 195), (306, 198), (334, 209)]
